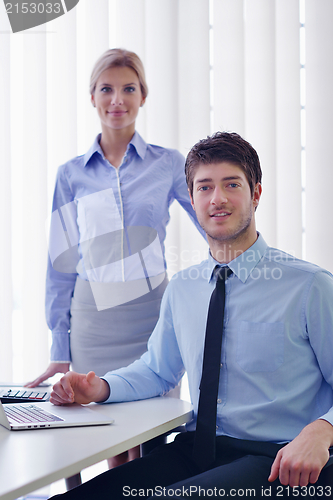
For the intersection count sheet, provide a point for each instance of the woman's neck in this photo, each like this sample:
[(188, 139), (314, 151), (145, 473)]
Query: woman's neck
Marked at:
[(114, 145)]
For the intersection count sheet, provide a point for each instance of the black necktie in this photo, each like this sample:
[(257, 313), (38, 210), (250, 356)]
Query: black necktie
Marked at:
[(205, 436)]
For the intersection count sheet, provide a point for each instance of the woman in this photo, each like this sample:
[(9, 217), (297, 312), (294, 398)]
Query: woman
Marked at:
[(111, 206)]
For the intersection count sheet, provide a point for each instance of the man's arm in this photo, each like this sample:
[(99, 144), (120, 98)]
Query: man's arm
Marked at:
[(155, 373), (301, 461), (79, 388)]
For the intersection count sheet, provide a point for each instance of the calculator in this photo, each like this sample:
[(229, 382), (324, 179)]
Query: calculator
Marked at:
[(23, 395)]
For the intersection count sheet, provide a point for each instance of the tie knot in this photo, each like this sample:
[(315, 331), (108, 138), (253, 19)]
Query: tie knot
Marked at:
[(222, 273)]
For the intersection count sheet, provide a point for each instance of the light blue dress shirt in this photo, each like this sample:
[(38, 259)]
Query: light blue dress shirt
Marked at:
[(277, 350), (92, 200)]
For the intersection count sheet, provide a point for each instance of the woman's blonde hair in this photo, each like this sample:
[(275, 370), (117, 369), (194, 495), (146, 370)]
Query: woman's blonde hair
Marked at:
[(114, 58)]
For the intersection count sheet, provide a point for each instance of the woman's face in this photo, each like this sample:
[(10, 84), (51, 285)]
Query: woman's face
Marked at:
[(118, 98)]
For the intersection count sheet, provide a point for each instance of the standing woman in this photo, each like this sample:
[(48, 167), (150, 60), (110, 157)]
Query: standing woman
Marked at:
[(112, 204)]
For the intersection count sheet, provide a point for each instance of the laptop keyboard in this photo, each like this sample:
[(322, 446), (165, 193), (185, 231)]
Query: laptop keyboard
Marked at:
[(25, 414), (22, 396)]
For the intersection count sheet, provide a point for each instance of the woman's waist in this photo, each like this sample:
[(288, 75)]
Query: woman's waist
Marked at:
[(121, 271), (105, 295), (128, 254)]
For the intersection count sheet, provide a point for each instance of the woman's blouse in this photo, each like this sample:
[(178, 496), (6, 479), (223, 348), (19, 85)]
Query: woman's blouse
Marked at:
[(108, 226)]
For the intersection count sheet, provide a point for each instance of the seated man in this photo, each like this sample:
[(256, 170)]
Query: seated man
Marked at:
[(262, 392)]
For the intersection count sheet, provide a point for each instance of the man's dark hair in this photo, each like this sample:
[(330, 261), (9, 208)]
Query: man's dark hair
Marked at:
[(220, 147)]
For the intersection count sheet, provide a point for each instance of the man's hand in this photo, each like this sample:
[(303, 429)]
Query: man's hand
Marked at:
[(51, 370), (301, 461), (79, 388)]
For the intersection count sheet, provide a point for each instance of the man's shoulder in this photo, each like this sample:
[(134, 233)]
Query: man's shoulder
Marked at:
[(195, 273), (287, 260)]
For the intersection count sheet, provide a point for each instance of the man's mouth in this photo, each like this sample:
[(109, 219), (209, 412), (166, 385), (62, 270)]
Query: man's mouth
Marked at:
[(220, 214)]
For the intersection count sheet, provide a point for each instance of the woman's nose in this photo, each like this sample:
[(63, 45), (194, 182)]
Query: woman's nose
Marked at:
[(116, 98)]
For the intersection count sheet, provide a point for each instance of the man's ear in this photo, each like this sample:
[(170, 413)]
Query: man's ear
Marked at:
[(191, 198), (256, 195)]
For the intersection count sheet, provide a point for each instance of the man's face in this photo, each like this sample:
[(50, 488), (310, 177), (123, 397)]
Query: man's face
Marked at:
[(223, 204)]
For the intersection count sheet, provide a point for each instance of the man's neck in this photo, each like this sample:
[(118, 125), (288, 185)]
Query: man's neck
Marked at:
[(225, 252)]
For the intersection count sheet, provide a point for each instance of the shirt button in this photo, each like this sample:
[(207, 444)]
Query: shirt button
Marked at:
[(219, 401), (217, 427), (221, 365)]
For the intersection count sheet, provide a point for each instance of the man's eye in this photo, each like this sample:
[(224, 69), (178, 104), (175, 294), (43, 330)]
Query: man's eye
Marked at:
[(233, 185), (203, 188)]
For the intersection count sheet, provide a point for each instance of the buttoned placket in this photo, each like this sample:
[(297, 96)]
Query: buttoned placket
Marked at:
[(122, 215)]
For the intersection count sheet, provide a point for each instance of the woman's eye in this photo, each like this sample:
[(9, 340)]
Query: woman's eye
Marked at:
[(130, 89), (106, 89)]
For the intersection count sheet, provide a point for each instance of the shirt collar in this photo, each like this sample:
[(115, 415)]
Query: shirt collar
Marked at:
[(243, 265), (95, 147), (137, 142)]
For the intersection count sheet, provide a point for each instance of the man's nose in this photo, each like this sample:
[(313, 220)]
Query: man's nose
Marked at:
[(219, 196)]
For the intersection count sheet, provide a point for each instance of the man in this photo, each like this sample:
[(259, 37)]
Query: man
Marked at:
[(273, 411)]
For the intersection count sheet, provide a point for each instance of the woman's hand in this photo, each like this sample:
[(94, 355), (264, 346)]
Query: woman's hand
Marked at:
[(51, 370), (79, 388)]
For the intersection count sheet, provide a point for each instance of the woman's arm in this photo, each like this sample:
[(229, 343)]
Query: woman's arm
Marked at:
[(180, 190)]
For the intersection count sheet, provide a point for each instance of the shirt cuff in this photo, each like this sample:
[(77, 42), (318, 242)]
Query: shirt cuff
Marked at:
[(328, 417), (116, 389), (60, 350)]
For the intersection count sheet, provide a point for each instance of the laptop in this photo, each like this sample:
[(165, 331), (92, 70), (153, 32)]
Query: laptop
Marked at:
[(45, 415)]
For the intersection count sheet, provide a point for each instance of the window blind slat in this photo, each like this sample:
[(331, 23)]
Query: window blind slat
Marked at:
[(193, 70), (161, 57), (228, 67), (260, 118), (62, 94), (319, 112), (6, 301), (288, 137), (34, 203)]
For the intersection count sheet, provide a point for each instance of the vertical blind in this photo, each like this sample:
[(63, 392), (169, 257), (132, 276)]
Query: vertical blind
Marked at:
[(262, 68)]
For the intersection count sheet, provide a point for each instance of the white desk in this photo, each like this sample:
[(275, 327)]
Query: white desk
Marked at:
[(32, 459)]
